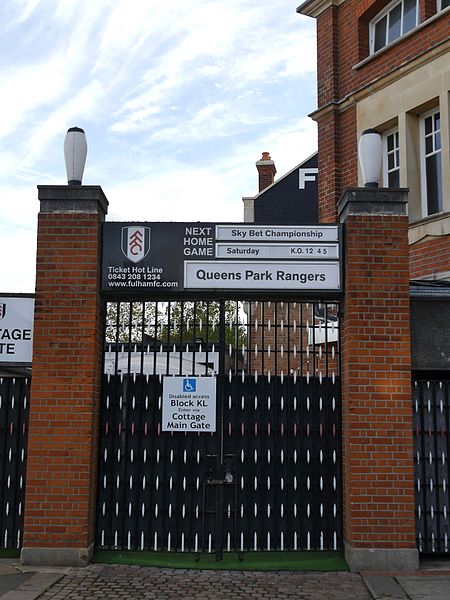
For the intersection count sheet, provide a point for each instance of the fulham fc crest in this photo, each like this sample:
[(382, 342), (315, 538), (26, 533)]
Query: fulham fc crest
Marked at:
[(135, 242), (2, 310)]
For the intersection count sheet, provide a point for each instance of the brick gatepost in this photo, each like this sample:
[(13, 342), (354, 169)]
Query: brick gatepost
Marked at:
[(378, 470), (61, 482)]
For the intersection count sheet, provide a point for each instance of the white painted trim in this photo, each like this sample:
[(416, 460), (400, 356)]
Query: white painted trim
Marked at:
[(423, 171), (313, 8), (384, 137), (439, 6), (386, 10)]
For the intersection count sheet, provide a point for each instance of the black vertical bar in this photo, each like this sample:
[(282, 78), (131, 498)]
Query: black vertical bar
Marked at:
[(288, 338), (206, 340), (169, 325), (275, 338), (219, 432), (181, 337), (130, 335), (446, 399), (155, 338), (301, 329), (262, 325), (435, 451), (5, 394), (424, 477)]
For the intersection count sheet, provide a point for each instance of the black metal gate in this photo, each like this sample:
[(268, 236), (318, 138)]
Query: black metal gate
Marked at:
[(270, 477), (14, 408), (431, 408)]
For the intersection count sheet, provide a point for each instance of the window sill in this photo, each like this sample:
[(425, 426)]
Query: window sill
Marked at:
[(434, 225), (399, 40)]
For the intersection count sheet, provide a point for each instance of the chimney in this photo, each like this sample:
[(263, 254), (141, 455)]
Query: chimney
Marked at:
[(266, 171)]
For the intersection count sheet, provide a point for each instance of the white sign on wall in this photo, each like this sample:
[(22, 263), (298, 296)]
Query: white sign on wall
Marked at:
[(16, 329), (263, 275), (189, 404)]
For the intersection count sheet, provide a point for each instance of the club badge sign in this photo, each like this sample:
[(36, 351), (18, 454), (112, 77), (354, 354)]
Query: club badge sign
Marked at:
[(135, 243), (171, 258)]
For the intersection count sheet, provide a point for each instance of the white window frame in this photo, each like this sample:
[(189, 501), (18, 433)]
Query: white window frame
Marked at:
[(423, 157), (387, 9), (439, 6), (386, 170), (323, 333)]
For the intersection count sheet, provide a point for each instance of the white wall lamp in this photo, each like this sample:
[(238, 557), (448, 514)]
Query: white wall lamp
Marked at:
[(75, 152), (370, 151)]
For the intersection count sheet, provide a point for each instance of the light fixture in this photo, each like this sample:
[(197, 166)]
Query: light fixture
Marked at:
[(75, 151), (370, 151)]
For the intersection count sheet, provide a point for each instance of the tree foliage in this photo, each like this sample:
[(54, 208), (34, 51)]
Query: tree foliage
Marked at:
[(179, 322)]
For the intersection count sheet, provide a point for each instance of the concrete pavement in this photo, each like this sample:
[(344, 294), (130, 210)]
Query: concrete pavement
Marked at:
[(119, 582), (19, 582)]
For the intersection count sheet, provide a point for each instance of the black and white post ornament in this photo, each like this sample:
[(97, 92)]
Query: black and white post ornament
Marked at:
[(75, 152), (370, 152)]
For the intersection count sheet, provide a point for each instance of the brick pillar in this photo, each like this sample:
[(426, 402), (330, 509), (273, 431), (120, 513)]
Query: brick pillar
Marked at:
[(61, 485), (378, 497)]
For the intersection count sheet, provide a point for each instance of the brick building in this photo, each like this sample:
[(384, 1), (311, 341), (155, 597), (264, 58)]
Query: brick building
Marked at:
[(386, 65)]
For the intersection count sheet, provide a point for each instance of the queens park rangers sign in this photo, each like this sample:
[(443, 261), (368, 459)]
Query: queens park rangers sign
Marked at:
[(135, 243), (173, 258)]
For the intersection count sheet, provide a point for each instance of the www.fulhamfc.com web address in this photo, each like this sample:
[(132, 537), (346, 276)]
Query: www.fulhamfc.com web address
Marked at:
[(167, 284)]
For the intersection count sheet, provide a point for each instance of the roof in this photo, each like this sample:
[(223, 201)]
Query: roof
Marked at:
[(277, 181)]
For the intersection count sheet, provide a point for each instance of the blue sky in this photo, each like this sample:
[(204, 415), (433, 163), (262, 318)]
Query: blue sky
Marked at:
[(178, 100)]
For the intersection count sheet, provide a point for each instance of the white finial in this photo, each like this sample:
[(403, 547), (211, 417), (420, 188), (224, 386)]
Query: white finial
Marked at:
[(75, 151)]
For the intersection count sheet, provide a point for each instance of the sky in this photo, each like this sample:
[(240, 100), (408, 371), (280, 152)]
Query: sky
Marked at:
[(178, 101)]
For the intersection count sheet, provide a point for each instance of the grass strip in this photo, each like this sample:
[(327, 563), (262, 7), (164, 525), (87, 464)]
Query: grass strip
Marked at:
[(7, 553), (251, 561)]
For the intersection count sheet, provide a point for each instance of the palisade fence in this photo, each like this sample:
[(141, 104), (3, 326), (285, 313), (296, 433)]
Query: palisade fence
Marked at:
[(269, 478), (431, 412), (14, 409)]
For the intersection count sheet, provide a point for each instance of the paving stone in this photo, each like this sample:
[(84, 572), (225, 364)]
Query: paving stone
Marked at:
[(384, 587), (146, 583), (425, 587), (12, 580), (32, 587)]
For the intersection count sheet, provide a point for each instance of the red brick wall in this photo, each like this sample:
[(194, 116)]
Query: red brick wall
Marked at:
[(328, 56), (266, 172), (63, 428), (338, 160), (376, 386), (430, 257)]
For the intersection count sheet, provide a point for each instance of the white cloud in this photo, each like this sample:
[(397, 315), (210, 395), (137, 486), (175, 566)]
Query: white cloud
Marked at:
[(182, 193), (178, 101)]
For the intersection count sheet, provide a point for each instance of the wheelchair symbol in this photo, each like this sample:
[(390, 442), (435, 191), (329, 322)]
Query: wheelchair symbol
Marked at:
[(189, 385)]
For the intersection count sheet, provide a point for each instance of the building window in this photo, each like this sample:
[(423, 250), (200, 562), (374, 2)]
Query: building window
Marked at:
[(394, 21), (431, 167), (441, 4), (391, 159)]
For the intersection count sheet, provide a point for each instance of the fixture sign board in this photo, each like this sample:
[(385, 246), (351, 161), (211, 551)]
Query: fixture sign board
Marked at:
[(271, 276), (277, 233), (274, 251), (171, 258), (16, 329), (189, 404)]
